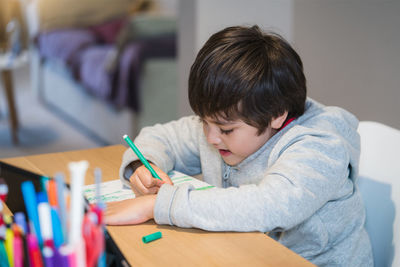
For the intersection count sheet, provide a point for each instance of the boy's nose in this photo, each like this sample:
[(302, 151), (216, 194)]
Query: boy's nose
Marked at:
[(213, 137)]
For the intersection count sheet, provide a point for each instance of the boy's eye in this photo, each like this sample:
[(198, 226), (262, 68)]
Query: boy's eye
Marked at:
[(226, 131)]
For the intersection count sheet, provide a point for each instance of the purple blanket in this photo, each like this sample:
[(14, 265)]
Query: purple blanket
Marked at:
[(85, 52)]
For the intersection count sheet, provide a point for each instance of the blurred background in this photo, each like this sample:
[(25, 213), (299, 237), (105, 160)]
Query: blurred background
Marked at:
[(77, 74)]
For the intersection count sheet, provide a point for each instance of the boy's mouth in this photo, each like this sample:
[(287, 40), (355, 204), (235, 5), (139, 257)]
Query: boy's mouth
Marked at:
[(224, 152)]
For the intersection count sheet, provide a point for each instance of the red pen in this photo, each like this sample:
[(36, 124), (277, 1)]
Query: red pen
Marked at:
[(35, 258), (87, 233)]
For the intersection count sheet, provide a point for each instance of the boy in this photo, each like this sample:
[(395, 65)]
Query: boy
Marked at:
[(281, 163)]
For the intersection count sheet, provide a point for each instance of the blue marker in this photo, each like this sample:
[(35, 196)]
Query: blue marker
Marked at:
[(29, 195), (57, 230)]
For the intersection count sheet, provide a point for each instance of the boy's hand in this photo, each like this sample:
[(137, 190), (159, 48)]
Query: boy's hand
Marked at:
[(130, 211), (143, 183)]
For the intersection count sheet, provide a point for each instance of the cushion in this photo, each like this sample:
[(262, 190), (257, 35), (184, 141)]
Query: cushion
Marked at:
[(77, 13)]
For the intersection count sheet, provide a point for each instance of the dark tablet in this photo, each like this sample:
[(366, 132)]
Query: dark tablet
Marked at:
[(15, 176)]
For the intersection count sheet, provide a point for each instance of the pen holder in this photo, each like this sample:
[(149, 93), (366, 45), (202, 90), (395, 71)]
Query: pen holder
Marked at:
[(41, 239)]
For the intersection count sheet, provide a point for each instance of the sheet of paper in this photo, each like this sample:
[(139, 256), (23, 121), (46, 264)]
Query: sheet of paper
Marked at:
[(115, 191), (179, 178), (110, 191)]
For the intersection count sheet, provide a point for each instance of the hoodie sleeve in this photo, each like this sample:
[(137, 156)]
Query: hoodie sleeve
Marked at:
[(173, 145), (307, 173)]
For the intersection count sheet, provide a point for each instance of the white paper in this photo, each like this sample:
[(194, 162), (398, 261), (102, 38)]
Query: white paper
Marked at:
[(115, 191)]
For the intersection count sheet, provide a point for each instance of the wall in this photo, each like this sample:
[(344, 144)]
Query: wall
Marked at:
[(351, 55), (198, 19), (349, 47)]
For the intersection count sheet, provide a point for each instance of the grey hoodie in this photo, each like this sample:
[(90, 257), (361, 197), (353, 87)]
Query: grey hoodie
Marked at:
[(299, 187)]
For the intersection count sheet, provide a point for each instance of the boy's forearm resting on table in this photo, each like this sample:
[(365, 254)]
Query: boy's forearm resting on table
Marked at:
[(131, 211)]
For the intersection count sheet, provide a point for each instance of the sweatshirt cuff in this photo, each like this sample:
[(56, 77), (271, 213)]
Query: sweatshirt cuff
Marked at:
[(162, 208)]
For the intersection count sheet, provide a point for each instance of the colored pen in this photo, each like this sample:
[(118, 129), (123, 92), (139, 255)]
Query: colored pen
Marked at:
[(64, 253), (43, 183), (29, 195), (55, 219), (62, 208), (8, 244), (3, 255), (141, 157), (92, 238), (75, 239), (97, 178), (77, 170), (52, 193), (48, 256), (35, 259), (20, 220), (45, 219), (9, 241), (18, 247), (58, 236), (98, 230)]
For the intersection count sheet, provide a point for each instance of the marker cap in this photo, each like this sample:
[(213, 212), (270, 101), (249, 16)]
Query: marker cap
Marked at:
[(151, 237)]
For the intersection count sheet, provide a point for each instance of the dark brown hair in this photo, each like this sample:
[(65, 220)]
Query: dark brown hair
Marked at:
[(243, 73)]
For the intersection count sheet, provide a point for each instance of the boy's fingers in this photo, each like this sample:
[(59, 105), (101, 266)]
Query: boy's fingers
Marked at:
[(143, 181), (153, 190), (159, 183), (139, 188), (138, 185), (166, 179), (151, 183), (135, 191)]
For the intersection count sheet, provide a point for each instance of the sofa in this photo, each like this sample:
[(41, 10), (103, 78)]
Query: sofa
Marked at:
[(106, 87)]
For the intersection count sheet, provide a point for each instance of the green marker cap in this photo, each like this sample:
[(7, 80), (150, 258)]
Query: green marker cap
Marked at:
[(151, 237)]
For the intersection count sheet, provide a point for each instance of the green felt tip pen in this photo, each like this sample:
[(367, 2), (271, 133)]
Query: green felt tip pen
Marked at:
[(151, 237), (141, 157)]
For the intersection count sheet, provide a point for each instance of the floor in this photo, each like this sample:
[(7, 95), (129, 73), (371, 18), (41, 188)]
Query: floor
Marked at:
[(41, 131)]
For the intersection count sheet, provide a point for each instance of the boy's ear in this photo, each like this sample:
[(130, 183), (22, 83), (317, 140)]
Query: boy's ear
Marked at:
[(277, 122)]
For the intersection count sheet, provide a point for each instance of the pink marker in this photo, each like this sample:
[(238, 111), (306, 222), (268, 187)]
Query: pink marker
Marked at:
[(35, 259), (18, 247)]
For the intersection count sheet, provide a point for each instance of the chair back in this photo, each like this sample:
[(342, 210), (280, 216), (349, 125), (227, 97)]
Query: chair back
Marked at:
[(379, 184)]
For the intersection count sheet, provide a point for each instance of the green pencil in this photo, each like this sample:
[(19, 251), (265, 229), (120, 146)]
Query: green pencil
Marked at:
[(140, 156)]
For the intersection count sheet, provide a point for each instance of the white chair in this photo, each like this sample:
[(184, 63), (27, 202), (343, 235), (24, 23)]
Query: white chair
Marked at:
[(379, 184)]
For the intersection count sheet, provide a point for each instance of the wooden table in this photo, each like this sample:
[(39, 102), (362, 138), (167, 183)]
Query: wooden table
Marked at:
[(178, 246)]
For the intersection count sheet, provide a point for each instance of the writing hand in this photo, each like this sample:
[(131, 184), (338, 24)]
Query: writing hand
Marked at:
[(143, 183)]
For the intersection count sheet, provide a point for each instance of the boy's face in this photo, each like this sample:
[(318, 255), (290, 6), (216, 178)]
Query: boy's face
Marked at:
[(235, 140)]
